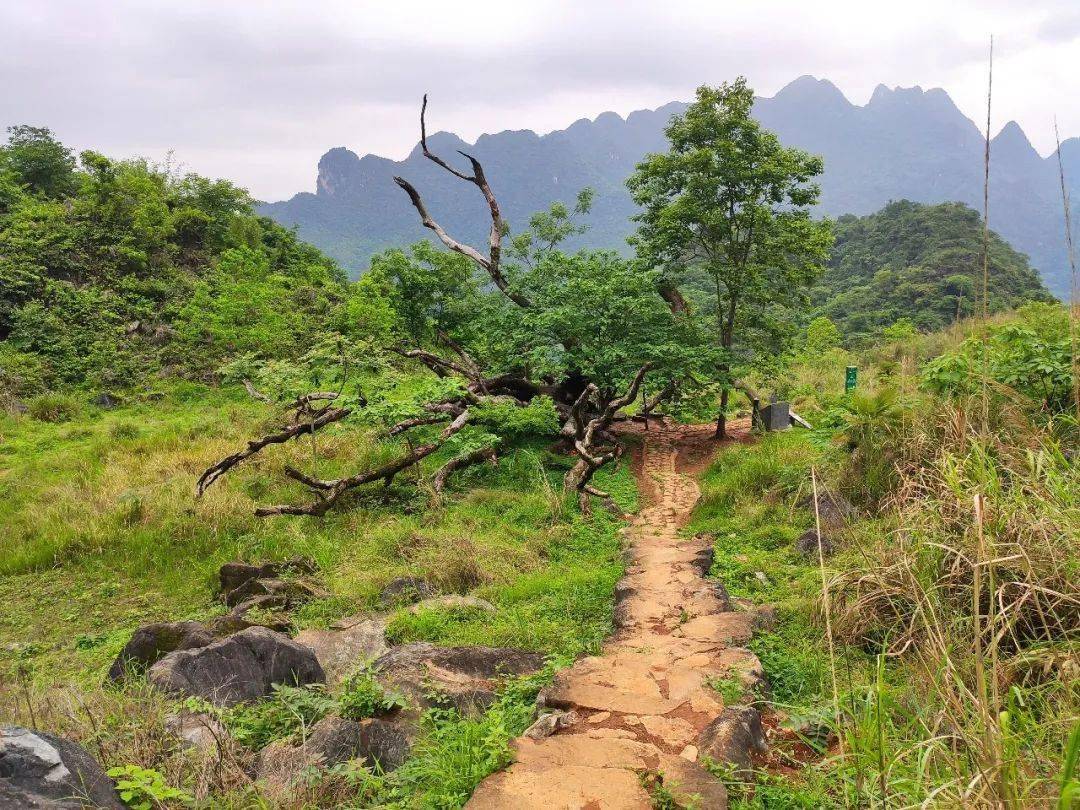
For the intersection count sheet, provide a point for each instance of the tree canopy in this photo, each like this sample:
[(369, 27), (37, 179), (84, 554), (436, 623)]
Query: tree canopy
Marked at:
[(921, 262), (726, 211)]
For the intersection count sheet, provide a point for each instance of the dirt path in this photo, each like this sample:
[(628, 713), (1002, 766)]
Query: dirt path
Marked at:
[(645, 705)]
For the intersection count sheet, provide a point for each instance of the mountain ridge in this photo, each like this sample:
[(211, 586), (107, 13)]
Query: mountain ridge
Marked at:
[(904, 143)]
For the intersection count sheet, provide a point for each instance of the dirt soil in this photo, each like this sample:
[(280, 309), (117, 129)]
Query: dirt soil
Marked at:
[(638, 709)]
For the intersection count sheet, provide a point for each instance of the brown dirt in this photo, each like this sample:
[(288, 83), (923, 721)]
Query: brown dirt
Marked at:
[(644, 701)]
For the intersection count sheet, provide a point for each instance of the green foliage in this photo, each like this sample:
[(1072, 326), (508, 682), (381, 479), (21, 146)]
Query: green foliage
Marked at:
[(548, 229), (117, 269), (730, 689), (429, 291), (821, 335), (455, 752), (289, 711), (362, 696), (145, 789), (899, 331), (1031, 356), (727, 209), (919, 262), (37, 161), (598, 315), (537, 418)]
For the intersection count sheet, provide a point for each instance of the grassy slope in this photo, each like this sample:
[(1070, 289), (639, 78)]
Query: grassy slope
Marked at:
[(104, 534), (891, 709)]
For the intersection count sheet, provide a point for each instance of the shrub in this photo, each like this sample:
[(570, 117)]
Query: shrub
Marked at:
[(288, 711), (54, 407)]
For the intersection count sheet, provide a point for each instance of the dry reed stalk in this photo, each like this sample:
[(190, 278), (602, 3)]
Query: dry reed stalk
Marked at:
[(827, 607), (1074, 290)]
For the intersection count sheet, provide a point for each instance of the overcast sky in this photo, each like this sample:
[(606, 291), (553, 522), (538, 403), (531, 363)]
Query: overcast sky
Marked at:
[(257, 90)]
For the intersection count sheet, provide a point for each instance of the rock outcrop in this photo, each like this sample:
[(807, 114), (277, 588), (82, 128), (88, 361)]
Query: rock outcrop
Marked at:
[(242, 667), (348, 645), (40, 770), (464, 677), (154, 641)]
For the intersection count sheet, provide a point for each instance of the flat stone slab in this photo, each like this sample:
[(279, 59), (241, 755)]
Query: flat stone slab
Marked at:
[(348, 646)]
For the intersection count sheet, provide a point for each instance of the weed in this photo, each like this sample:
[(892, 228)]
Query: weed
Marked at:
[(362, 696), (54, 407), (731, 689), (144, 788), (287, 713)]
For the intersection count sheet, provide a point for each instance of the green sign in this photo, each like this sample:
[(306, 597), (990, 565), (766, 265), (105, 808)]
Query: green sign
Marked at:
[(850, 379)]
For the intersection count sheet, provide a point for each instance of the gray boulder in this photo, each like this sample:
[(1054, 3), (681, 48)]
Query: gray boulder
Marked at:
[(807, 545), (379, 741), (834, 510), (463, 677), (384, 742), (735, 736), (333, 740), (152, 642), (40, 770), (234, 574), (293, 591), (405, 590), (242, 616), (241, 667)]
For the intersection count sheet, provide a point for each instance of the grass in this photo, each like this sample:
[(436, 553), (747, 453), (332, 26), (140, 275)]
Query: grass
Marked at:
[(914, 724), (104, 534)]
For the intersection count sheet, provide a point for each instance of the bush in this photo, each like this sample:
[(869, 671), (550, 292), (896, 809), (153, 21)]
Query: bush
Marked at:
[(145, 788), (363, 697), (54, 407)]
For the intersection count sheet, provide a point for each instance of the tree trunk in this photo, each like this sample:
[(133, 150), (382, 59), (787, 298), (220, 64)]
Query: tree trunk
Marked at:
[(721, 418)]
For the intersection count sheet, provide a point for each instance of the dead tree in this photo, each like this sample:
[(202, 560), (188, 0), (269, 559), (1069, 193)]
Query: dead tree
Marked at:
[(491, 263), (587, 419), (595, 447)]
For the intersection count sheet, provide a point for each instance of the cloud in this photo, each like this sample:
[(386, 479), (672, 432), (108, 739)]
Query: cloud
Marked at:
[(256, 91)]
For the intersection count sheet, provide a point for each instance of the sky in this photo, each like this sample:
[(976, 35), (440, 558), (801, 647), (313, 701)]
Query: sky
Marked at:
[(257, 90)]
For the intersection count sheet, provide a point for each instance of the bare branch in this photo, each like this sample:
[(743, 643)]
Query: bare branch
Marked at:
[(433, 157), (328, 492), (491, 262), (444, 237), (440, 365), (302, 402), (592, 456), (466, 460), (323, 418), (255, 393)]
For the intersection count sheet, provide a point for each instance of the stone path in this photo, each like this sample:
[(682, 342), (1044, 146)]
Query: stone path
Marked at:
[(644, 706)]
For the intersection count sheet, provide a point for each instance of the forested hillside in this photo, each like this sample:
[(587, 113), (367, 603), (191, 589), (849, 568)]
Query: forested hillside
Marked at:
[(904, 143), (919, 262), (114, 270)]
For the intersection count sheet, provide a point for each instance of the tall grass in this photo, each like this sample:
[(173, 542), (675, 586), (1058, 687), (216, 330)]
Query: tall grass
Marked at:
[(954, 597), (975, 590)]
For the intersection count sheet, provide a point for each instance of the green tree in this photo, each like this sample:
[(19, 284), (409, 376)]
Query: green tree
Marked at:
[(822, 335), (38, 161), (729, 201)]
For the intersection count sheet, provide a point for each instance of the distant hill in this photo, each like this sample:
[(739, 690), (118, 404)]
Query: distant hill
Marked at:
[(905, 143), (922, 262)]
